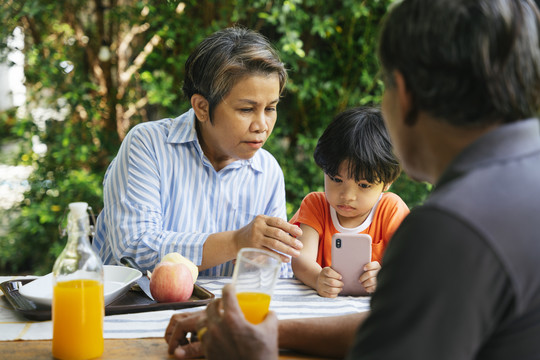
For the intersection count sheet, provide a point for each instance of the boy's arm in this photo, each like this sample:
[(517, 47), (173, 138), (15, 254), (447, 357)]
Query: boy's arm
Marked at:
[(305, 267)]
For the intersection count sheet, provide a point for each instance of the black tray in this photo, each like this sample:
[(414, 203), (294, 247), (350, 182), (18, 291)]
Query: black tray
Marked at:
[(133, 301)]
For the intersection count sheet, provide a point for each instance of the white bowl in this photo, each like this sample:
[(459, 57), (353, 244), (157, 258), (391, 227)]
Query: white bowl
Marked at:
[(117, 280)]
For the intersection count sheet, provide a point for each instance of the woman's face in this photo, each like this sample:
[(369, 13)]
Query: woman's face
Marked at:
[(242, 121)]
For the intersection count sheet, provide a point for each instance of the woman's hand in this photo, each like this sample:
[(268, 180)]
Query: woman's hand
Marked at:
[(329, 283), (270, 233), (369, 278)]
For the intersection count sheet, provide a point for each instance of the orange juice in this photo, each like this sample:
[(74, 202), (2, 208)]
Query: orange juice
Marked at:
[(254, 305), (77, 315)]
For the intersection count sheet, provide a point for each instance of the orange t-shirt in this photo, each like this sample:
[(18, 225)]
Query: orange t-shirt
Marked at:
[(380, 224)]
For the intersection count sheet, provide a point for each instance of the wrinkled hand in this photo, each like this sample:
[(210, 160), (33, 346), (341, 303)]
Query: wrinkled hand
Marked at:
[(369, 278), (329, 283), (230, 336), (176, 335), (270, 233)]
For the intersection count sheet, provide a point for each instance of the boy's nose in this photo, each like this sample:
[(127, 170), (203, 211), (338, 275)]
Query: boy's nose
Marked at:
[(348, 194)]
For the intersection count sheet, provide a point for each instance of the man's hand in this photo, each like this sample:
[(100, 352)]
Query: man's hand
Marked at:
[(222, 333), (329, 283), (230, 336), (181, 335), (270, 233)]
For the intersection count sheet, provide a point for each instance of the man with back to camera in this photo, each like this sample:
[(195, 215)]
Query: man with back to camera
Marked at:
[(461, 278)]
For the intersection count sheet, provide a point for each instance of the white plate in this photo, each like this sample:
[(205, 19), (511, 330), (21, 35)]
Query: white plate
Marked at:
[(117, 281)]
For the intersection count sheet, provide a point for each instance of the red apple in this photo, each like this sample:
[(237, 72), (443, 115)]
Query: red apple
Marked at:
[(178, 258), (171, 282)]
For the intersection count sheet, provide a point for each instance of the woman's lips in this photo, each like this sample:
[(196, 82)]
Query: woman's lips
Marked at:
[(255, 144)]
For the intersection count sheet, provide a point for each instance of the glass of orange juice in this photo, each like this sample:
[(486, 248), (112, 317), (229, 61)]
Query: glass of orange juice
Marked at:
[(254, 278)]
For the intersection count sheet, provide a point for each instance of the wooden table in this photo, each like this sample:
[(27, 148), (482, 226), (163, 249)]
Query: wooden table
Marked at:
[(115, 349), (21, 338)]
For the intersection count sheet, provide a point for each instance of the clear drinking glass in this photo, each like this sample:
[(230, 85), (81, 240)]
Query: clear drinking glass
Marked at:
[(254, 278)]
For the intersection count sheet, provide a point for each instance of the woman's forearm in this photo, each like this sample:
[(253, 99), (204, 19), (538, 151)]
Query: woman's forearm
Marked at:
[(218, 249)]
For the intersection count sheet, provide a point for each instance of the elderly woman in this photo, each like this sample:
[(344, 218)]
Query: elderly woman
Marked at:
[(201, 184)]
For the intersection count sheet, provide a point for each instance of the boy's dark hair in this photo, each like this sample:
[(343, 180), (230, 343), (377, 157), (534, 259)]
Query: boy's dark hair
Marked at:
[(359, 136)]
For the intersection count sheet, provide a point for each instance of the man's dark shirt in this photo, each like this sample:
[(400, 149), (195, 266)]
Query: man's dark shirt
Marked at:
[(461, 276)]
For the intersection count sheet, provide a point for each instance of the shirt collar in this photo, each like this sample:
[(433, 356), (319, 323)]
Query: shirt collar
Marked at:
[(182, 129), (505, 142)]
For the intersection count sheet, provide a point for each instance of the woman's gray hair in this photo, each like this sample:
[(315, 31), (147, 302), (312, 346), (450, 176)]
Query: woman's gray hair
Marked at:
[(224, 58), (469, 62)]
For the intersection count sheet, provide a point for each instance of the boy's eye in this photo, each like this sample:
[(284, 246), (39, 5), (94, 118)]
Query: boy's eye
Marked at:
[(334, 179), (364, 185)]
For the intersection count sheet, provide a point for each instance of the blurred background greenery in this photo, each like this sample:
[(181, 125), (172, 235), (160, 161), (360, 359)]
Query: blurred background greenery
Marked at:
[(99, 67)]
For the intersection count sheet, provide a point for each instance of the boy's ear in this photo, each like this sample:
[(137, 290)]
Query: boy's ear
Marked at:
[(201, 107), (387, 186)]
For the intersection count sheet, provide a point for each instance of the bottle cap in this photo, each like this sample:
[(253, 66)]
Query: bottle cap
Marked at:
[(78, 209)]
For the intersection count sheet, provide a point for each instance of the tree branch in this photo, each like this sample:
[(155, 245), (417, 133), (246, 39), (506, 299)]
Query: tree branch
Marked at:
[(92, 58), (123, 116), (125, 76), (125, 42)]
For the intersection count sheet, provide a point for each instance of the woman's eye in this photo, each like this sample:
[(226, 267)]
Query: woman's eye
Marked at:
[(246, 110), (270, 109)]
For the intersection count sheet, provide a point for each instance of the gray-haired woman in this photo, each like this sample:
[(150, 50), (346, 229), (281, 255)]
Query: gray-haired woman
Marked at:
[(200, 184)]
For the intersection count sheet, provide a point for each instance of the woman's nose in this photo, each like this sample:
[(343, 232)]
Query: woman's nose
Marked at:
[(259, 123)]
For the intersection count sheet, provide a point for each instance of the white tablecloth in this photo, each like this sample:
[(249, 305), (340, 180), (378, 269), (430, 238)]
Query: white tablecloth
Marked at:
[(291, 299)]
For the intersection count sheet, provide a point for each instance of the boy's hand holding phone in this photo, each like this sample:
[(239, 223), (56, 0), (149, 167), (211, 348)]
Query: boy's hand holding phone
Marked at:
[(329, 283), (351, 253), (369, 278)]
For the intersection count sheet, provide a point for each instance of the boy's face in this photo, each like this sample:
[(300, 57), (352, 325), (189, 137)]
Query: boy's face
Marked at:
[(352, 200)]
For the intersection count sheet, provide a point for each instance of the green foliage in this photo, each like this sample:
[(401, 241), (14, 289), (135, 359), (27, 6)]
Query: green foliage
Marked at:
[(41, 213), (413, 193), (60, 177), (91, 101)]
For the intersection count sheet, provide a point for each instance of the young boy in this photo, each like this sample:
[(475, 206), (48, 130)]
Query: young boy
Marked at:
[(356, 156)]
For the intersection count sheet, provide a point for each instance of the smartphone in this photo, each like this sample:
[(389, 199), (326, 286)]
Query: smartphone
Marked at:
[(350, 252)]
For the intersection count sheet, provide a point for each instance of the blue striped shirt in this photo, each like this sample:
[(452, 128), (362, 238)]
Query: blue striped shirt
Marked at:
[(161, 194)]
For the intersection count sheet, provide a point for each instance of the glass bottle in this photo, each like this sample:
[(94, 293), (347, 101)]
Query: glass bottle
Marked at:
[(78, 304)]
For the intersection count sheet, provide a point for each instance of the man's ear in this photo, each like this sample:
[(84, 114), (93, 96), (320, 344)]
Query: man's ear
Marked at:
[(201, 107), (405, 100)]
